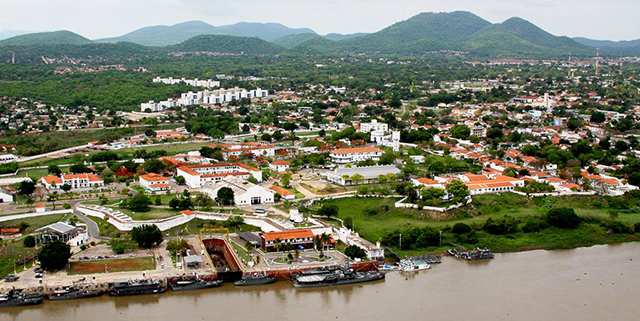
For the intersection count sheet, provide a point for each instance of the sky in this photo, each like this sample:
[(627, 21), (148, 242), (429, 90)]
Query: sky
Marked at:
[(598, 19)]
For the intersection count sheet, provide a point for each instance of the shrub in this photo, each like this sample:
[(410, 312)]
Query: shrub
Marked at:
[(618, 227), (29, 241), (461, 228), (348, 222), (636, 227), (54, 256), (353, 252), (533, 225), (565, 218), (505, 225), (147, 236)]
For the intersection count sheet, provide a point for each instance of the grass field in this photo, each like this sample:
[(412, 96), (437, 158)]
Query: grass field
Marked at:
[(12, 251), (113, 265), (592, 209), (34, 223)]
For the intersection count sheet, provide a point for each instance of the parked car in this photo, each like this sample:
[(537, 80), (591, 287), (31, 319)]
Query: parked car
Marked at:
[(11, 278)]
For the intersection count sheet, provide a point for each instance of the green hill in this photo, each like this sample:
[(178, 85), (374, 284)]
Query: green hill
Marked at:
[(295, 40), (175, 34), (228, 44), (62, 37)]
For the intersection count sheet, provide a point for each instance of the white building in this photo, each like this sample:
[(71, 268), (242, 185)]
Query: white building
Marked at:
[(154, 183), (206, 97), (355, 154), (279, 166), (8, 158), (5, 197), (244, 193), (207, 83), (78, 182), (380, 134), (368, 174), (198, 175), (248, 148), (373, 126)]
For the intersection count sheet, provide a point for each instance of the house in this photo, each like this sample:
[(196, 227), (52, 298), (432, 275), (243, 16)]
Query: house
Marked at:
[(362, 175), (297, 239), (244, 193), (154, 183), (355, 154), (59, 231), (490, 184), (279, 166), (5, 197), (286, 195), (252, 149), (198, 175), (84, 181), (428, 183)]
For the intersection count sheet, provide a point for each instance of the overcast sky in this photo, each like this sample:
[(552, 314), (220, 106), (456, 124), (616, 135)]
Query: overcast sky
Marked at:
[(600, 19)]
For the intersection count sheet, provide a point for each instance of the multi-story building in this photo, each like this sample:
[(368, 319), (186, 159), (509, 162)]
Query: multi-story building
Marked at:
[(355, 154), (244, 193), (85, 181), (248, 148), (154, 183), (198, 175)]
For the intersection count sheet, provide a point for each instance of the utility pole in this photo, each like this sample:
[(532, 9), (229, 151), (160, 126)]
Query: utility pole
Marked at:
[(401, 241)]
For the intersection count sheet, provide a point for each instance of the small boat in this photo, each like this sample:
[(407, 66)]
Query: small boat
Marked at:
[(72, 292), (472, 255), (255, 279), (20, 298), (414, 265), (193, 284)]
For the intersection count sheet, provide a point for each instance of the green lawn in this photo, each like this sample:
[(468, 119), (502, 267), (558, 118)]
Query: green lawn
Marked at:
[(12, 251), (34, 223), (107, 229), (594, 209)]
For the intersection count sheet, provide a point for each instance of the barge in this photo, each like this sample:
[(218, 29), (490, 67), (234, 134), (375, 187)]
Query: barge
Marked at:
[(137, 287), (19, 298), (338, 277)]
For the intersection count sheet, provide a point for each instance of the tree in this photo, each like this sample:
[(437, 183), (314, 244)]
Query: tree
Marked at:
[(432, 194), (180, 180), (458, 190), (26, 187), (29, 241), (461, 228), (277, 136), (354, 252), (54, 256), (66, 187), (565, 218), (154, 165), (460, 131), (79, 169), (286, 179), (574, 123), (158, 200), (225, 196), (150, 133), (348, 222), (328, 210), (598, 117), (54, 170), (234, 222), (138, 203), (147, 236)]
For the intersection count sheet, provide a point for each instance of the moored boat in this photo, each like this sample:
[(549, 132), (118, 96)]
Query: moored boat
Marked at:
[(20, 298), (136, 287), (193, 284), (338, 277), (255, 279), (72, 292)]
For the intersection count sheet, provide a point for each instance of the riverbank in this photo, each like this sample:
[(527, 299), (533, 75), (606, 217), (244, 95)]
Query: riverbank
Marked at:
[(590, 284), (605, 220)]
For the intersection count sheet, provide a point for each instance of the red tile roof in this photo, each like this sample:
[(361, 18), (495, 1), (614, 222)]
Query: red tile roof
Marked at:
[(287, 235)]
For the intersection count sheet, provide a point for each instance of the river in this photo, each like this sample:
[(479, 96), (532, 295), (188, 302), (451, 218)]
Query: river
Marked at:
[(600, 283)]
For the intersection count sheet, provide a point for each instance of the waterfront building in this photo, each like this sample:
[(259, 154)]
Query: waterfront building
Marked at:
[(297, 239)]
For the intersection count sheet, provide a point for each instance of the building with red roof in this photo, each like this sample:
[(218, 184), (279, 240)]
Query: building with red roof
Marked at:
[(300, 239)]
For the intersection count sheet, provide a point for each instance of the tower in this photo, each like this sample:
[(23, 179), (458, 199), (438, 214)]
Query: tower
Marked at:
[(597, 63)]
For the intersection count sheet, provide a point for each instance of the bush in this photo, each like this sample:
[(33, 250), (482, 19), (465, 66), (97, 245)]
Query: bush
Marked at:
[(54, 256), (565, 218), (461, 228), (348, 222), (122, 246), (147, 236), (328, 210), (636, 227), (618, 227), (177, 246), (534, 225), (354, 252), (505, 225), (29, 241)]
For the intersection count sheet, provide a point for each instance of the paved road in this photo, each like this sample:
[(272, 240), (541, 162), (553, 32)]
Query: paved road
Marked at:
[(92, 226)]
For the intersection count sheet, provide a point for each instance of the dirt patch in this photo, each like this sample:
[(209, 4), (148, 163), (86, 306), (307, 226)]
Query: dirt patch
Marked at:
[(112, 265)]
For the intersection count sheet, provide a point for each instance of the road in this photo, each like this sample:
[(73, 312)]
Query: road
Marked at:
[(92, 227)]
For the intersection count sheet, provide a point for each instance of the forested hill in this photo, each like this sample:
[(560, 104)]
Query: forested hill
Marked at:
[(62, 37)]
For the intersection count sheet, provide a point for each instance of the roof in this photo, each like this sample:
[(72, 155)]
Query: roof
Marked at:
[(426, 181), (153, 177), (85, 176), (356, 150), (60, 227), (280, 162), (280, 190), (368, 171), (52, 180), (287, 235)]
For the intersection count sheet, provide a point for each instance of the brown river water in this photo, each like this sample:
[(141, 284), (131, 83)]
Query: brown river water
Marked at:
[(600, 283)]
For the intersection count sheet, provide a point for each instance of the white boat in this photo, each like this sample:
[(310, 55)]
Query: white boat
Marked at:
[(414, 266)]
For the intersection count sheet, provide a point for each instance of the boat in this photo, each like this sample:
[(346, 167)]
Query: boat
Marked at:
[(72, 292), (20, 298), (193, 284), (338, 277), (136, 287), (473, 255), (388, 267), (255, 279), (414, 265)]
